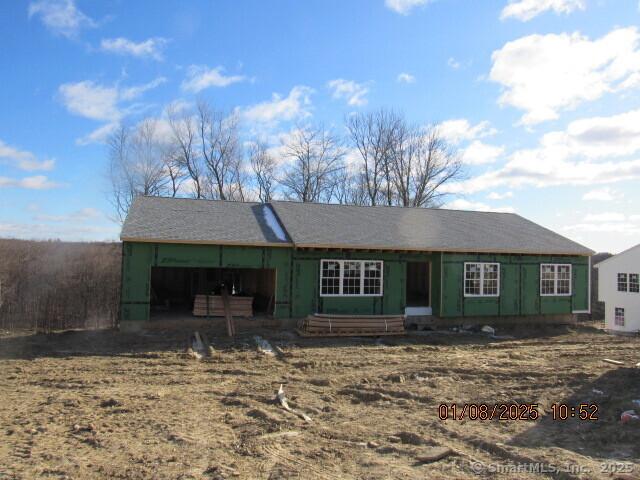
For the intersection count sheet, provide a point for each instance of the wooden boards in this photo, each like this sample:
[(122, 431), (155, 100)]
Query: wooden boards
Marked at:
[(213, 306), (231, 328), (322, 325)]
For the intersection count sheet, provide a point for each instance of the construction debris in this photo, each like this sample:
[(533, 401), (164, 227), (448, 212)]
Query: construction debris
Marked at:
[(488, 329), (433, 454), (614, 362), (231, 326), (320, 325), (198, 346), (263, 345), (283, 401)]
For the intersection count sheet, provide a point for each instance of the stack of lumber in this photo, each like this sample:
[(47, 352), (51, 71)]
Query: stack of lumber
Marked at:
[(320, 325), (213, 306)]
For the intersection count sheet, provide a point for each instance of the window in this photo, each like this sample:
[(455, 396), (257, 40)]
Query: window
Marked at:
[(330, 278), (555, 279), (622, 282), (634, 284), (372, 278), (350, 278), (481, 279), (619, 317)]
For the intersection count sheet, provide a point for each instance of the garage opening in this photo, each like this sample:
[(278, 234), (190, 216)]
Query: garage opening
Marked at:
[(418, 289), (174, 289)]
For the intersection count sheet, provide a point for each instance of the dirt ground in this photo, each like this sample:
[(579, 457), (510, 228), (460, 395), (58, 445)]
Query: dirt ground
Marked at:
[(111, 405)]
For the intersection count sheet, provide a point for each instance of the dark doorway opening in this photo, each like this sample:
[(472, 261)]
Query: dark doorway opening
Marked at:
[(418, 284), (174, 288)]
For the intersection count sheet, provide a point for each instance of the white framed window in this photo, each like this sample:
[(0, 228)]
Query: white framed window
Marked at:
[(351, 278), (481, 279), (634, 283), (619, 316), (622, 282), (555, 279)]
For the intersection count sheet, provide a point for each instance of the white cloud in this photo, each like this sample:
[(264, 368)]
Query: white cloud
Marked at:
[(457, 130), (37, 182), (598, 137), (90, 100), (540, 171), (82, 215), (99, 135), (61, 17), (404, 7), (585, 153), (131, 93), (545, 74), (405, 78), (604, 194), (150, 48), (23, 159), (605, 217), (499, 196), (607, 228), (462, 204), (479, 153), (354, 93), (453, 63), (525, 10), (102, 103), (200, 77), (294, 106)]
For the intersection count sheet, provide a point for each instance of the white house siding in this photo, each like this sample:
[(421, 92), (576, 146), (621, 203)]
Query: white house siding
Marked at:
[(626, 262)]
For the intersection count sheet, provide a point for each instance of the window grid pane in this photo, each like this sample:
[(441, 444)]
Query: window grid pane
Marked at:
[(490, 280), (548, 275), (564, 280), (619, 317), (634, 284), (351, 278), (472, 279), (372, 278), (330, 282)]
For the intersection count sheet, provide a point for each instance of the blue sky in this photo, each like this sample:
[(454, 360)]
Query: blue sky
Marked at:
[(541, 97)]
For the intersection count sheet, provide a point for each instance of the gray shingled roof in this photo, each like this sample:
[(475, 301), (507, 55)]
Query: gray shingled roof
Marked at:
[(322, 225), (188, 220), (419, 229)]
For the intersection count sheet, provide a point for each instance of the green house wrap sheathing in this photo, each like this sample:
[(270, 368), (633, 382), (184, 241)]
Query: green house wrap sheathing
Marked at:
[(139, 258), (519, 287), (298, 272)]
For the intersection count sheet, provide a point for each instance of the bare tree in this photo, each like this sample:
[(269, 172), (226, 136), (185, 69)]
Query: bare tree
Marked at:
[(355, 190), (174, 168), (316, 156), (422, 162), (121, 195), (184, 130), (221, 150), (136, 165), (373, 134), (263, 166)]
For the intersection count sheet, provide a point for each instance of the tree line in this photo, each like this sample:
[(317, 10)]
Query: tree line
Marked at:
[(380, 158), (53, 285)]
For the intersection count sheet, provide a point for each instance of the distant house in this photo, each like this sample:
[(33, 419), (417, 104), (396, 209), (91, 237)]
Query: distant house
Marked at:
[(619, 289), (295, 259)]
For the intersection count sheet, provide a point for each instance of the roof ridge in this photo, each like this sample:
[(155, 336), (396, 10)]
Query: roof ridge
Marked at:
[(390, 206), (200, 199)]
